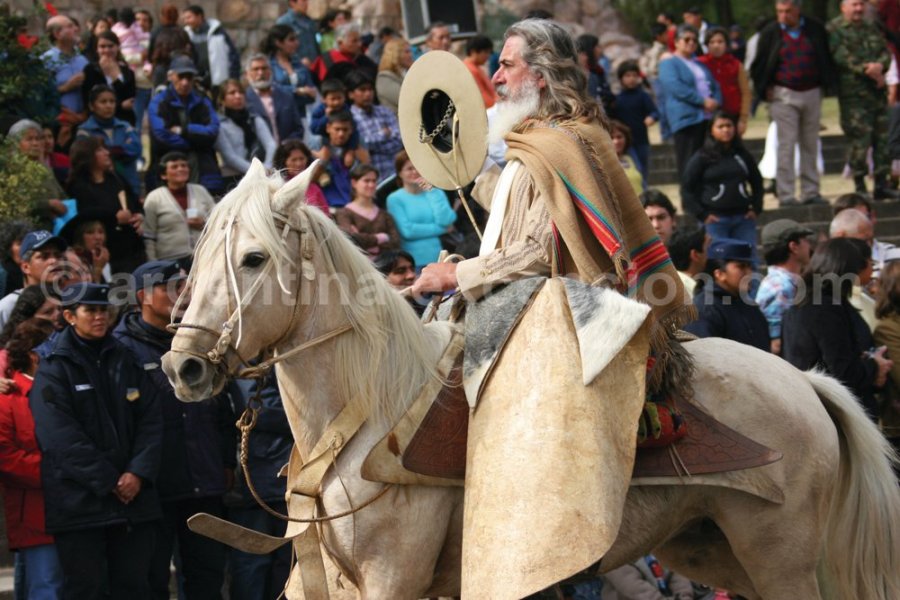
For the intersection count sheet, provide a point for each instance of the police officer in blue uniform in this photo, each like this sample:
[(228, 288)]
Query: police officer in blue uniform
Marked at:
[(99, 428), (724, 306), (198, 441)]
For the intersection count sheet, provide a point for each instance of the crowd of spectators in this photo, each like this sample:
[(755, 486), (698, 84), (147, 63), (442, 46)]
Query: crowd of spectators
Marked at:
[(154, 126), (156, 123)]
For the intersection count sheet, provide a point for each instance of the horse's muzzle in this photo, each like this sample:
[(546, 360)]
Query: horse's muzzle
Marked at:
[(194, 379)]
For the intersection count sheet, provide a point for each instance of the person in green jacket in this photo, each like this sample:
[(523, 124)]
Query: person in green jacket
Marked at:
[(862, 58)]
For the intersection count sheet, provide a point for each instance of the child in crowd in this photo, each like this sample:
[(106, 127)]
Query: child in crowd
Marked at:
[(333, 153), (334, 99), (379, 129), (291, 158), (635, 108), (622, 142)]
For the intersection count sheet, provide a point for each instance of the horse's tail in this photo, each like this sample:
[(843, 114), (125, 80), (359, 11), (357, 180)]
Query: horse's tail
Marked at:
[(862, 537)]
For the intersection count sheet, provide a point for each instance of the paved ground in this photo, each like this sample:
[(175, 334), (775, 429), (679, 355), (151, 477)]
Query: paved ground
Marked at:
[(6, 583), (831, 187)]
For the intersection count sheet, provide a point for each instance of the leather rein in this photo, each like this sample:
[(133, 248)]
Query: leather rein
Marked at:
[(224, 345)]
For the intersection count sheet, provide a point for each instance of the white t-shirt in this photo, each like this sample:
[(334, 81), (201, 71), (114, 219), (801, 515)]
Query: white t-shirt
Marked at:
[(7, 303), (892, 77)]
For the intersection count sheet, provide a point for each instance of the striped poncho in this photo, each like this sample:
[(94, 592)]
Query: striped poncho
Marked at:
[(600, 228)]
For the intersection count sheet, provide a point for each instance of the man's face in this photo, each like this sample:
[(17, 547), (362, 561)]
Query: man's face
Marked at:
[(339, 132), (514, 73), (160, 300), (802, 250), (40, 267), (363, 96), (866, 233), (350, 44), (192, 20), (787, 14), (259, 74), (439, 39), (479, 58), (74, 270), (68, 32), (699, 258), (299, 6), (853, 10), (695, 21), (183, 82), (662, 221)]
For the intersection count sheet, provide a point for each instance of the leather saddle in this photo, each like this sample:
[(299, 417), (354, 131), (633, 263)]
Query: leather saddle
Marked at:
[(438, 448)]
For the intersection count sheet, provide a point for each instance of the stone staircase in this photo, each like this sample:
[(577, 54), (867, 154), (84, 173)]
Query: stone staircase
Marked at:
[(817, 218), (662, 158)]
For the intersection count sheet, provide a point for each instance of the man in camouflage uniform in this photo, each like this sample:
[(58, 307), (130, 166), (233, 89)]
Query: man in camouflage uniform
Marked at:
[(862, 59)]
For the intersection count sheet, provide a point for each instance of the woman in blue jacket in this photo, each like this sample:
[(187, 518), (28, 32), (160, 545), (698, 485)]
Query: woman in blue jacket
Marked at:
[(422, 216), (690, 95), (119, 137), (99, 427)]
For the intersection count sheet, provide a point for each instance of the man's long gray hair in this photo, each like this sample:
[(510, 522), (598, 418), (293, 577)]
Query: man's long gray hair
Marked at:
[(549, 51)]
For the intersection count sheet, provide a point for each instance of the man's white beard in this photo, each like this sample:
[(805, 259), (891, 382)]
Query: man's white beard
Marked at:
[(512, 111), (261, 84)]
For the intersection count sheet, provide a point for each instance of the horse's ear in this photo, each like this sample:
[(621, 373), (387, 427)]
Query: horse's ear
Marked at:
[(257, 169), (295, 189)]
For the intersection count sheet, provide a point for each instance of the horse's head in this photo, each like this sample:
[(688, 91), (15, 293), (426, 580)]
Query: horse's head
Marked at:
[(250, 266)]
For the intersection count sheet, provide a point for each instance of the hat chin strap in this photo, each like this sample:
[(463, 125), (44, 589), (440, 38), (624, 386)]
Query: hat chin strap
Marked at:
[(454, 177)]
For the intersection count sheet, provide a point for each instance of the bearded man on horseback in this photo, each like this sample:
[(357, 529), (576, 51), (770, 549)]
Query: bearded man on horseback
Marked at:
[(561, 205), (597, 296)]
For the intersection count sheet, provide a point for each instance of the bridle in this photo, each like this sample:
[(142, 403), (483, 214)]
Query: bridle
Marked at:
[(333, 440), (224, 345)]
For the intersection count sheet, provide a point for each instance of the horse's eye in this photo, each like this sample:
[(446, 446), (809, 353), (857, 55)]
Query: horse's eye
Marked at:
[(253, 260)]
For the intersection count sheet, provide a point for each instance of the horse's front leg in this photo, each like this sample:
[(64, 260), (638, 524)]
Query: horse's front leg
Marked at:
[(394, 545)]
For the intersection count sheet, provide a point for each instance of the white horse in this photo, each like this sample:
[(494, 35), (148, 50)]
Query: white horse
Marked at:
[(284, 275)]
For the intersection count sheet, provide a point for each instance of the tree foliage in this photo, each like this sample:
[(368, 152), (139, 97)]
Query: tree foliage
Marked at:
[(23, 183), (25, 87), (642, 13)]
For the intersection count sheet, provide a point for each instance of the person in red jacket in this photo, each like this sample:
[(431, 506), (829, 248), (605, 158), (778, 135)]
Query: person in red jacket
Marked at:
[(347, 55), (731, 76), (20, 469)]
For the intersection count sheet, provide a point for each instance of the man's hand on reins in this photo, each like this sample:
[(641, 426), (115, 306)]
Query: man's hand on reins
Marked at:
[(436, 277)]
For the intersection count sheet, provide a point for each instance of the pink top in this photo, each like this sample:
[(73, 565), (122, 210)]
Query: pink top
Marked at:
[(315, 197), (131, 41)]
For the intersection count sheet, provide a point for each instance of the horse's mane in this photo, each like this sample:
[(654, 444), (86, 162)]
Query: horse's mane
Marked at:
[(383, 363)]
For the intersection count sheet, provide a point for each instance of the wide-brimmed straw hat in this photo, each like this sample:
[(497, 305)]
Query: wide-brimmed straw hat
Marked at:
[(443, 121)]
